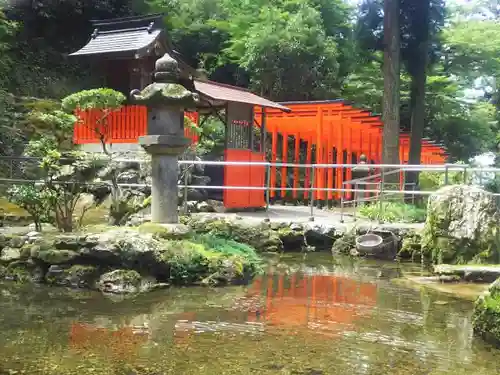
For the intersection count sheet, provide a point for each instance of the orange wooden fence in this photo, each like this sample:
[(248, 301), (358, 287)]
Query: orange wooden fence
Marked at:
[(125, 125)]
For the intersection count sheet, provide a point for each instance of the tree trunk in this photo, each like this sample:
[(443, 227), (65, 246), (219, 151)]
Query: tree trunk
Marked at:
[(391, 98), (419, 78)]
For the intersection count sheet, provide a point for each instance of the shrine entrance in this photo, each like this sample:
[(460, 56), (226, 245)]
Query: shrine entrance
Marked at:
[(243, 145)]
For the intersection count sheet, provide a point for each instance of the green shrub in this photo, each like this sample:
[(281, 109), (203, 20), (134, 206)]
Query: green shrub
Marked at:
[(394, 212), (431, 181), (204, 257)]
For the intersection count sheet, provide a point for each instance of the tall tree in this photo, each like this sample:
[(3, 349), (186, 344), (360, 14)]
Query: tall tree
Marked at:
[(417, 68), (391, 68)]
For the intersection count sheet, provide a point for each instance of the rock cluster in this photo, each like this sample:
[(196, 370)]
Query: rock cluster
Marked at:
[(124, 260), (262, 235)]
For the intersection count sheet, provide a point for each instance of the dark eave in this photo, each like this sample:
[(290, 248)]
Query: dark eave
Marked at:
[(222, 93)]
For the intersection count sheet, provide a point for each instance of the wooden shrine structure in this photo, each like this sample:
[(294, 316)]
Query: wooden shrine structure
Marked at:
[(321, 132)]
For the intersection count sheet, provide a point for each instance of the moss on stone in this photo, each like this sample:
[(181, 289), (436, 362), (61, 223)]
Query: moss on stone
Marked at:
[(159, 231), (411, 246), (19, 272), (259, 236), (10, 254), (57, 256), (486, 316), (292, 239), (345, 244), (462, 226)]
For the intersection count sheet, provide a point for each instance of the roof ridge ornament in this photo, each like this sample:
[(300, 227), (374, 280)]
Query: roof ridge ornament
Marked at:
[(150, 27), (95, 33)]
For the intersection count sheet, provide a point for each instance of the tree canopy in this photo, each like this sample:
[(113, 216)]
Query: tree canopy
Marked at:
[(282, 49)]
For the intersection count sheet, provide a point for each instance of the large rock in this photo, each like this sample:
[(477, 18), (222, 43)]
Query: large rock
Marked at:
[(124, 282), (462, 226)]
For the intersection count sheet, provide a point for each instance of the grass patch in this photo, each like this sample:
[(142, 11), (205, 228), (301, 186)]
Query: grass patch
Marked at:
[(10, 209), (393, 212)]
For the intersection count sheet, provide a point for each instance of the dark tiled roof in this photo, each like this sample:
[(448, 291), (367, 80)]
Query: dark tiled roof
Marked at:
[(124, 35), (119, 41), (228, 93)]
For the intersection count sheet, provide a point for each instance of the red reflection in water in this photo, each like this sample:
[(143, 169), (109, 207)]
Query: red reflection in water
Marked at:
[(121, 343), (306, 300)]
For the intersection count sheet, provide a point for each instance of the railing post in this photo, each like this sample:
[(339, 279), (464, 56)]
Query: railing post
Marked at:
[(185, 204), (355, 201), (381, 195), (465, 175), (446, 175), (481, 176), (342, 204), (268, 183), (311, 218)]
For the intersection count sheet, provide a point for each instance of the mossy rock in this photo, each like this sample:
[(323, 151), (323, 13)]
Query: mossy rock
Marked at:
[(462, 226), (57, 256), (345, 244), (124, 281), (208, 259), (10, 254), (165, 231), (20, 271), (77, 276), (411, 245), (259, 236), (292, 239), (486, 316), (17, 241), (4, 241)]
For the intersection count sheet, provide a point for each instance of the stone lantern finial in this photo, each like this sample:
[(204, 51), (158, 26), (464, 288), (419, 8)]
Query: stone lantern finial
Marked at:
[(166, 91), (167, 69)]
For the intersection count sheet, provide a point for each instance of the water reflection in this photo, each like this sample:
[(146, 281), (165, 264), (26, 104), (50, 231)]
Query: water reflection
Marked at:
[(304, 319)]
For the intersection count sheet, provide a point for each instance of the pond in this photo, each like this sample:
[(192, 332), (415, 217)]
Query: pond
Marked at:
[(306, 315)]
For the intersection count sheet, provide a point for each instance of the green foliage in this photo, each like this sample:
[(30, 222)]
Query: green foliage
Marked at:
[(431, 181), (104, 99), (393, 212), (34, 199), (64, 182), (54, 131)]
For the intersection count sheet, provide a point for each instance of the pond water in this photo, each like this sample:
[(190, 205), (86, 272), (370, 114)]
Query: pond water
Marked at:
[(312, 315)]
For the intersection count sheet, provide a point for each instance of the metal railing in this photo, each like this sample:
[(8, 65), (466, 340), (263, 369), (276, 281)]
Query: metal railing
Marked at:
[(14, 174), (380, 181)]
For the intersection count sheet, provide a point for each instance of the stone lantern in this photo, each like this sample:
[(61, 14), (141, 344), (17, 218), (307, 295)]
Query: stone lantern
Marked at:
[(166, 99)]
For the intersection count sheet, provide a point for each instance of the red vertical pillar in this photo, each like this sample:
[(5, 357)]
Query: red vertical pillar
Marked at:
[(349, 156), (307, 180), (284, 159), (330, 156), (274, 151), (296, 175), (340, 153)]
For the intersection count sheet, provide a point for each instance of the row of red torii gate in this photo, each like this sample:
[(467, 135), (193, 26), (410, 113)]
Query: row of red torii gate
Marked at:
[(257, 129), (327, 132)]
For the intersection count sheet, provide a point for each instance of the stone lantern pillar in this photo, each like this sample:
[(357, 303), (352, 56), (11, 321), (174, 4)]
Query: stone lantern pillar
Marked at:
[(166, 99)]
